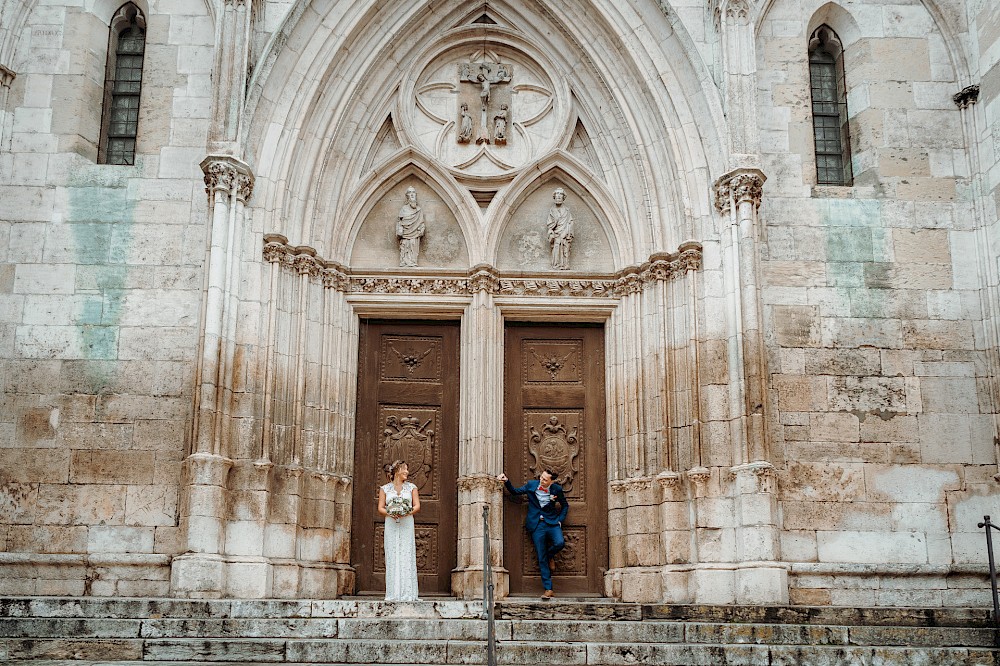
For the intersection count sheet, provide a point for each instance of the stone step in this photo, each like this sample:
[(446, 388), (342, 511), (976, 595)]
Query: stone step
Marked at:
[(146, 608), (203, 653), (87, 630)]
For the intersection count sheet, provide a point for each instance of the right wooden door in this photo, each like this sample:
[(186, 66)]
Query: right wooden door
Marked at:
[(554, 419)]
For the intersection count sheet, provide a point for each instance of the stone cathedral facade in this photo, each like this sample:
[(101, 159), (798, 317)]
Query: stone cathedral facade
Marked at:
[(728, 267)]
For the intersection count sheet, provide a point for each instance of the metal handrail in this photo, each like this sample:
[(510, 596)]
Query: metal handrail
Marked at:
[(488, 587), (993, 574)]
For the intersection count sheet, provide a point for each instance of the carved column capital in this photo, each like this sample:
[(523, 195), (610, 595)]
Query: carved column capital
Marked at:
[(6, 76), (483, 278), (699, 476), (755, 477), (690, 256), (967, 96), (228, 174), (739, 186)]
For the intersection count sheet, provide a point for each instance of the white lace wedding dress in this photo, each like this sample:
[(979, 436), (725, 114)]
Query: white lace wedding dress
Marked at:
[(400, 550)]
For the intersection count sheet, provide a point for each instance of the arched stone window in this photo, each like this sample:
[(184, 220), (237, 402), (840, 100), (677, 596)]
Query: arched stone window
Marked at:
[(829, 108), (122, 86)]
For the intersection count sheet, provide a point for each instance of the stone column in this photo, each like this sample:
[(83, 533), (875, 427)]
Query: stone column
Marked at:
[(199, 572), (738, 198), (6, 79), (480, 439)]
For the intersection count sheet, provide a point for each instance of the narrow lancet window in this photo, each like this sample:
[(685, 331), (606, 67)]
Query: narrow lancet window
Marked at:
[(829, 108), (123, 86)]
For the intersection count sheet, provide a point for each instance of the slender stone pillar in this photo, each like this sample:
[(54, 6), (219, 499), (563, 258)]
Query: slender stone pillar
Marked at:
[(199, 572), (6, 79), (480, 439), (759, 578)]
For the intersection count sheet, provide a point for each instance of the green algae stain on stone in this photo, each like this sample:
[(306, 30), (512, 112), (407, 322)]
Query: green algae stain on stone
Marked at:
[(855, 243), (96, 214)]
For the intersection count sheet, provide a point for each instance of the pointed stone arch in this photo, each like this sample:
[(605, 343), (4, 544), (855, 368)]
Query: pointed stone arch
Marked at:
[(570, 173), (406, 164), (307, 105)]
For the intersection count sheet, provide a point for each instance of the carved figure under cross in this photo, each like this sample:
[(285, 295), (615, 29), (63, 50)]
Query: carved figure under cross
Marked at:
[(486, 75)]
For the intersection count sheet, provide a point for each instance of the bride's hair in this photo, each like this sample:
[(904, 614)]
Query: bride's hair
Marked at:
[(391, 469)]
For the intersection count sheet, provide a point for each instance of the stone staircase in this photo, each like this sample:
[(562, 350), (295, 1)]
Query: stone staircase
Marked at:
[(168, 632)]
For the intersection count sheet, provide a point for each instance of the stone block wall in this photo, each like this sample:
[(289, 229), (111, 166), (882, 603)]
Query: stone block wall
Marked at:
[(881, 373), (101, 287)]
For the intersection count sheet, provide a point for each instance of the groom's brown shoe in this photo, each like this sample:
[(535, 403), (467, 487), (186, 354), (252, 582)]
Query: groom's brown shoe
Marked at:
[(548, 594)]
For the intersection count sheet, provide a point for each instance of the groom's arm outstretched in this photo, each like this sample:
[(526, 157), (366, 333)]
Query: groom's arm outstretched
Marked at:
[(510, 486)]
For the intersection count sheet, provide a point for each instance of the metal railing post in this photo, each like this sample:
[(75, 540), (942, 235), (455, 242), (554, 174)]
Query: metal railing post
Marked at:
[(993, 574), (488, 587)]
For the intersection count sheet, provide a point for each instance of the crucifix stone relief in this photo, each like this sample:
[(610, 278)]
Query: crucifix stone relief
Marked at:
[(485, 75)]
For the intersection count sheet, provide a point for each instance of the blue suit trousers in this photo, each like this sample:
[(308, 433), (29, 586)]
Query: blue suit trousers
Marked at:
[(548, 540)]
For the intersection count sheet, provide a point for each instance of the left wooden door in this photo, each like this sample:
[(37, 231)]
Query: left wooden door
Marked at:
[(407, 409)]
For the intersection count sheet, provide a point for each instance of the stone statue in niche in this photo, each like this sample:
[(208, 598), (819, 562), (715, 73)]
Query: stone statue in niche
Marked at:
[(410, 229), (559, 226), (500, 126), (485, 75), (465, 125)]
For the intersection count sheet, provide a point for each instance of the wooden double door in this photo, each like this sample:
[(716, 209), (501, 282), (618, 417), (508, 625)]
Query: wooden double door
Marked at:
[(407, 410), (554, 419), (408, 405)]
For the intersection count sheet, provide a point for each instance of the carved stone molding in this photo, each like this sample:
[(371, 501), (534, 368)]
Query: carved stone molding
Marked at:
[(482, 278), (739, 186), (227, 174), (967, 96), (6, 76)]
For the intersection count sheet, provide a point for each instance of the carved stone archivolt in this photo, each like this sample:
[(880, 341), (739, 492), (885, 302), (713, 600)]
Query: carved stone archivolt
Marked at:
[(660, 267)]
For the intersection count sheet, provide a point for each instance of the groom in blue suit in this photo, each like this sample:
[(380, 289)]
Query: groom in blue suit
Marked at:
[(544, 520)]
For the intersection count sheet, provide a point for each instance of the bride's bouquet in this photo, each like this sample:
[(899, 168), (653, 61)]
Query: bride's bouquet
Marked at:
[(398, 507)]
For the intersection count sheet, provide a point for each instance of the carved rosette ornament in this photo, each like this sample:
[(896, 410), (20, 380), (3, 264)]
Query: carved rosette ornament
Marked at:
[(556, 449)]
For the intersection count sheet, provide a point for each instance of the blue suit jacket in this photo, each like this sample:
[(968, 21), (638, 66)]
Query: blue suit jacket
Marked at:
[(535, 511)]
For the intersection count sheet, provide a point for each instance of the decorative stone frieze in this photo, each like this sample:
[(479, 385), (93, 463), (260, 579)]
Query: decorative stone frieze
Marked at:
[(967, 96), (482, 278)]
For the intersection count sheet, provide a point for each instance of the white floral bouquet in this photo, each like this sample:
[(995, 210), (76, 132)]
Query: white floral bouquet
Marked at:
[(398, 507)]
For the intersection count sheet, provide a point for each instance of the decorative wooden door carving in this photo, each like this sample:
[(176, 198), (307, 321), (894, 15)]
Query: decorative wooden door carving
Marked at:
[(554, 419), (408, 410)]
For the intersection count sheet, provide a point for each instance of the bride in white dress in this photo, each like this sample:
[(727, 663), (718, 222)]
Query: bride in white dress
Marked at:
[(399, 541)]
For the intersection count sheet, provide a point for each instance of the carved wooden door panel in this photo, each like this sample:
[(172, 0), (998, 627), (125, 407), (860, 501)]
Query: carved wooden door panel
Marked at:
[(408, 410), (554, 419)]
